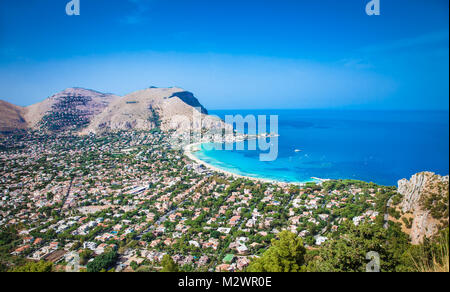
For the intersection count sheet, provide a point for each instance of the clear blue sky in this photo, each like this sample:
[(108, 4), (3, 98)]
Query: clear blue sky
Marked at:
[(232, 54)]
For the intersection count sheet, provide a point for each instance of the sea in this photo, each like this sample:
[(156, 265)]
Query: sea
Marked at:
[(373, 146)]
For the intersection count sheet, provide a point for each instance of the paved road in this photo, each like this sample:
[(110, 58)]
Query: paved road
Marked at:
[(67, 195)]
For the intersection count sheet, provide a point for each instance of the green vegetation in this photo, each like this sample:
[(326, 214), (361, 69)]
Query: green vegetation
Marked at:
[(348, 252), (65, 114), (436, 200), (85, 256), (31, 267), (168, 265), (155, 118), (344, 184), (8, 240), (103, 262), (287, 254), (431, 256)]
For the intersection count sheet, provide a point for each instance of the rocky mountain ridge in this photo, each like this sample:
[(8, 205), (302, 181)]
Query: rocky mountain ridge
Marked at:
[(88, 111), (425, 202)]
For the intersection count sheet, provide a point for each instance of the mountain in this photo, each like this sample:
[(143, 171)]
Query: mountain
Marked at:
[(189, 99), (87, 111), (11, 117), (167, 108), (73, 108), (424, 205)]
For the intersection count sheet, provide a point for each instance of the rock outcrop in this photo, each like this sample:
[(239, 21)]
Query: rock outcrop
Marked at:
[(421, 194)]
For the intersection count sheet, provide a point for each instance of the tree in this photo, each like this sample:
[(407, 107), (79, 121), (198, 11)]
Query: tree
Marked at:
[(169, 266), (85, 255), (102, 262), (39, 267), (134, 265), (286, 254), (349, 252)]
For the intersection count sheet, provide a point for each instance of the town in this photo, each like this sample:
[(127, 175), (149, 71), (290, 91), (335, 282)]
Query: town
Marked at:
[(130, 194)]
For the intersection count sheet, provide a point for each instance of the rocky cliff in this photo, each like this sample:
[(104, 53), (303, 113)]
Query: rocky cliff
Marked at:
[(425, 201)]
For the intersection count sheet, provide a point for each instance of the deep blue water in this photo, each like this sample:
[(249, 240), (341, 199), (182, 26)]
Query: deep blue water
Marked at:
[(374, 146)]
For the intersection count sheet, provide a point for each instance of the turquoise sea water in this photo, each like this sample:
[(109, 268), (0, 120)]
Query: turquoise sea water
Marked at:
[(377, 146)]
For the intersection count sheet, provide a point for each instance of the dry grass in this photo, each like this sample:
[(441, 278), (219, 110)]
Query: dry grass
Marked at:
[(439, 260)]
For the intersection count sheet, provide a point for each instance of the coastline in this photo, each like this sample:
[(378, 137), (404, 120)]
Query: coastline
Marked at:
[(189, 149)]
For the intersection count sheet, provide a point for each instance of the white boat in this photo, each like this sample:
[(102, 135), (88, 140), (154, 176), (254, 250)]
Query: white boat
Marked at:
[(298, 150)]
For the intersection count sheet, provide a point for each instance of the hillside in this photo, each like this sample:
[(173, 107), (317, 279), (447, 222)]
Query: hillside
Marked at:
[(73, 108), (11, 117), (88, 111), (167, 108)]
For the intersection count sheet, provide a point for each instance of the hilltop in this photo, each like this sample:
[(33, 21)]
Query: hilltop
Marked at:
[(88, 111), (167, 108), (72, 108)]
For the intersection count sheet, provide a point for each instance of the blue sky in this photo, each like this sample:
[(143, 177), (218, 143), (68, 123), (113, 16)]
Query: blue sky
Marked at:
[(232, 54)]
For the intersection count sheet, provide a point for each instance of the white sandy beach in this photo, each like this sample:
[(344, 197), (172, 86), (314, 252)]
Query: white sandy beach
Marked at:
[(189, 149)]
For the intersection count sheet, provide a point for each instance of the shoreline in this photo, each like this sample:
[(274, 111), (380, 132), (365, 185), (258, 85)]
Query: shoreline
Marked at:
[(189, 149)]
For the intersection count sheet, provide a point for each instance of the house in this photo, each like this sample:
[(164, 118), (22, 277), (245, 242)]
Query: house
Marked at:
[(224, 230), (242, 249), (242, 239), (212, 243), (37, 241), (303, 233), (324, 217), (242, 263), (54, 245), (320, 239), (194, 243), (90, 245), (223, 268), (250, 223), (28, 239), (101, 248), (203, 261), (20, 250), (234, 220), (357, 220)]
